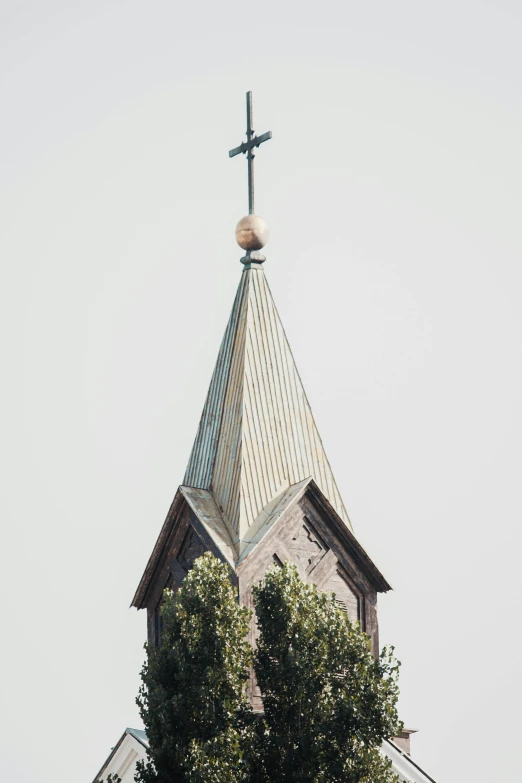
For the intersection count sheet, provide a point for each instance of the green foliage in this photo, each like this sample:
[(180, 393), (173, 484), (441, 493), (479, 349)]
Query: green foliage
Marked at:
[(328, 703), (193, 696), (113, 778)]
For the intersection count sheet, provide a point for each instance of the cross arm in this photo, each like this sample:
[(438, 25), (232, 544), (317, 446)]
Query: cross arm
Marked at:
[(248, 145)]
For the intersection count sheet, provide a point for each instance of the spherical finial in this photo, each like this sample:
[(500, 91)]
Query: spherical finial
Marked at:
[(252, 232)]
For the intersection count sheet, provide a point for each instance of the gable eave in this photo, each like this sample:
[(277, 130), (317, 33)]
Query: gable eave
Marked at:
[(154, 560), (378, 580)]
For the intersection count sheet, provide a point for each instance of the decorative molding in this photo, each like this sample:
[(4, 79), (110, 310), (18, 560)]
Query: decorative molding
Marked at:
[(307, 547)]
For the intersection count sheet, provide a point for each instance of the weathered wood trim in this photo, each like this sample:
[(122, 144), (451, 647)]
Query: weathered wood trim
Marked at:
[(347, 538), (139, 600), (173, 542), (351, 567)]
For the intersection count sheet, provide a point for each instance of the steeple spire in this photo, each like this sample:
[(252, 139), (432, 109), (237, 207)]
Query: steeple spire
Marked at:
[(257, 435)]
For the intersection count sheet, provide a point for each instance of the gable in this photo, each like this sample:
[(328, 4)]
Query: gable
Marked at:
[(130, 748), (303, 528), (192, 508), (310, 535)]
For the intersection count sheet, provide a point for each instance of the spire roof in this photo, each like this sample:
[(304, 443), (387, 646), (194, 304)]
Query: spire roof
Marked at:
[(257, 435)]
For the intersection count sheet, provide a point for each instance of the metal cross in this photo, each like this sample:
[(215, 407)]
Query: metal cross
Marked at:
[(248, 147)]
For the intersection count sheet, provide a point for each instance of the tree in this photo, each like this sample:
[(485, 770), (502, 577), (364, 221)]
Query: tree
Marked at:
[(328, 703), (193, 695)]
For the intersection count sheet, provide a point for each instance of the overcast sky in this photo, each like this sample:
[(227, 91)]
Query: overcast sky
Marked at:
[(392, 188)]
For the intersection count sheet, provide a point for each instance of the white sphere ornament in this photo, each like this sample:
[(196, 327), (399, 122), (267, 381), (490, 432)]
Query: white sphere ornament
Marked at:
[(252, 232)]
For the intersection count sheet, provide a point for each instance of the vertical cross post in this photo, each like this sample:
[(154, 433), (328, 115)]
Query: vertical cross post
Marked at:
[(250, 154)]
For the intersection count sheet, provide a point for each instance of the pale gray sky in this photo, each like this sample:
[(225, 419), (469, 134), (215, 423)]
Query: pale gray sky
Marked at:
[(392, 188)]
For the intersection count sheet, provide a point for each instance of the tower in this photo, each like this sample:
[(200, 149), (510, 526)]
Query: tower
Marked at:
[(258, 488)]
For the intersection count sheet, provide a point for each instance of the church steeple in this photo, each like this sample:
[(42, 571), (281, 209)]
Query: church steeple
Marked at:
[(258, 488), (257, 434)]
